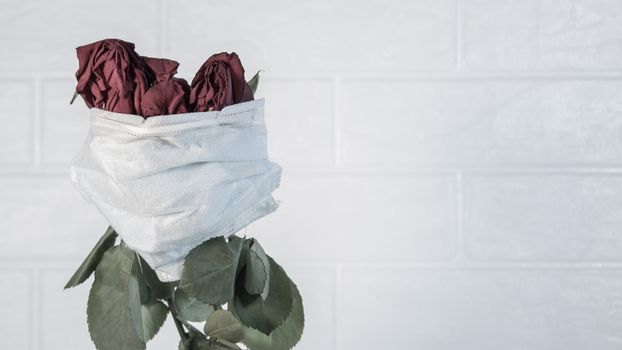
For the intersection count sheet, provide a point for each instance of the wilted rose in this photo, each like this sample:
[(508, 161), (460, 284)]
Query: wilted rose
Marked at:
[(168, 95), (111, 76), (219, 83)]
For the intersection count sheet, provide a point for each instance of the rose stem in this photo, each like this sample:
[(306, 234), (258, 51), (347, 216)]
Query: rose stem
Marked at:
[(180, 327)]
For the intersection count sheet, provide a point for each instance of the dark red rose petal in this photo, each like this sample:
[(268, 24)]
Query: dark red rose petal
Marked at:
[(219, 83), (167, 97), (111, 76)]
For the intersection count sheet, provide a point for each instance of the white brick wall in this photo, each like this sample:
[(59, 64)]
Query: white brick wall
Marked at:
[(453, 173)]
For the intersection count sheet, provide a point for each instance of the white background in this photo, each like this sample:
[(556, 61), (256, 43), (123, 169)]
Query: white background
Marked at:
[(452, 167)]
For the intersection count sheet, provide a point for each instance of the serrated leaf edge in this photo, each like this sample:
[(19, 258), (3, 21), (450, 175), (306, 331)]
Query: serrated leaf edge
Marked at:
[(269, 336), (84, 271)]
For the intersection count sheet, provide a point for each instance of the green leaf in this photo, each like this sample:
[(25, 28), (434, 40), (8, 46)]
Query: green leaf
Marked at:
[(75, 94), (254, 82), (193, 343), (222, 324), (192, 330), (148, 314), (108, 310), (210, 269), (185, 344), (285, 336), (265, 315), (202, 343), (153, 316), (191, 309), (209, 345), (138, 283), (246, 243), (158, 289), (227, 344), (257, 275), (221, 344), (90, 263)]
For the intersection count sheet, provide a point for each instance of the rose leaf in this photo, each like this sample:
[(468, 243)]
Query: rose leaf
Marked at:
[(257, 275), (264, 315), (191, 309), (210, 270), (73, 98), (148, 314), (254, 82), (109, 315), (90, 263), (286, 335), (221, 324)]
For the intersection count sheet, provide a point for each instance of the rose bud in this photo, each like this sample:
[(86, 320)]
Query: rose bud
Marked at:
[(167, 95), (111, 76), (219, 83)]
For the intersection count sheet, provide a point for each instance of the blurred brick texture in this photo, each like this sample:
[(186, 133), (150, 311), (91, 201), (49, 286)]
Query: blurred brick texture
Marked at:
[(452, 168)]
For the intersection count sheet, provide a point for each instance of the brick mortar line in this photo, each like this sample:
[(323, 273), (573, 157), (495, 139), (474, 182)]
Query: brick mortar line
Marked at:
[(55, 173), (36, 311), (459, 32), (36, 122), (491, 267), (472, 76), (70, 264), (606, 74), (338, 302), (459, 203), (337, 117)]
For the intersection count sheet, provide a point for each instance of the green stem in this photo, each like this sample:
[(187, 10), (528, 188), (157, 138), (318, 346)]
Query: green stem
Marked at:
[(180, 328), (227, 343)]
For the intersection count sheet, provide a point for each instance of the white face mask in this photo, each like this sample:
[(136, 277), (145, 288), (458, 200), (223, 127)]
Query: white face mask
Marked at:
[(170, 182)]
